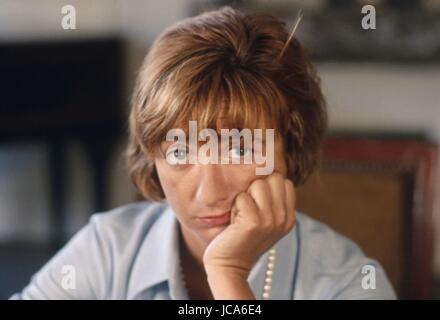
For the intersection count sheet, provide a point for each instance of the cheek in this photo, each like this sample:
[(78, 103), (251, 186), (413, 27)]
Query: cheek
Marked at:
[(175, 183), (239, 177)]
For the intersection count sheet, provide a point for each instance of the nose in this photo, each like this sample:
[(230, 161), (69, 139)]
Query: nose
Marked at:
[(212, 190)]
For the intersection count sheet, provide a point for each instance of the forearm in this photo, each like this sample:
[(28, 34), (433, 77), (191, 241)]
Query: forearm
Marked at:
[(227, 285)]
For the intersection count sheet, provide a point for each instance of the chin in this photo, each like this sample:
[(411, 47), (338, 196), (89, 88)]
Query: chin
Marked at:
[(209, 234)]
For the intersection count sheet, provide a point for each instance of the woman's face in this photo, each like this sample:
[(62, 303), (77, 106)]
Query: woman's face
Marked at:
[(200, 190)]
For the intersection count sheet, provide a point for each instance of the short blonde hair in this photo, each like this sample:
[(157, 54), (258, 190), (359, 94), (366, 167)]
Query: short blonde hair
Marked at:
[(225, 63)]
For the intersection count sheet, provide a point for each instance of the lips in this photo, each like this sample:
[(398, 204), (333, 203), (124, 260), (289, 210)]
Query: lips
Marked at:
[(212, 221)]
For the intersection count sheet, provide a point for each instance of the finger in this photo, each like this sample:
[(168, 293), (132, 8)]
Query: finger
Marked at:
[(290, 204), (261, 194), (277, 189), (244, 208)]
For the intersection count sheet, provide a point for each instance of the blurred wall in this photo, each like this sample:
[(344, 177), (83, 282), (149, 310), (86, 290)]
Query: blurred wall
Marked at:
[(360, 96)]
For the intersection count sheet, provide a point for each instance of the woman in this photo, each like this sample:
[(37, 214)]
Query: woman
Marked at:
[(212, 229)]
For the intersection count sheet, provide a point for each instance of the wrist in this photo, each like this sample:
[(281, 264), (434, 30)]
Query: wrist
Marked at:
[(229, 283), (226, 272)]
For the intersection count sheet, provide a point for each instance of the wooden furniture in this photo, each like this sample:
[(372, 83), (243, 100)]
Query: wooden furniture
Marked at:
[(380, 193)]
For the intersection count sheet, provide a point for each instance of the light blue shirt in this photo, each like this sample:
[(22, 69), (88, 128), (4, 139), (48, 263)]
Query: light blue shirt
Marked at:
[(132, 252)]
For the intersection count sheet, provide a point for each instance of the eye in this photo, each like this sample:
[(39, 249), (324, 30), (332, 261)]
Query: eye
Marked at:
[(239, 151), (179, 154), (176, 156)]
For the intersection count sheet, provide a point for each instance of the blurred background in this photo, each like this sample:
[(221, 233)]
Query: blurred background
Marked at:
[(65, 97)]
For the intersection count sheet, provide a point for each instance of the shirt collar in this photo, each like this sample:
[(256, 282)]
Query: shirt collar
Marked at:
[(158, 261)]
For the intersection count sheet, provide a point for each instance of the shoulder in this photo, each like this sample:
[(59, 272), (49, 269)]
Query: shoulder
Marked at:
[(325, 246), (120, 232), (127, 220), (100, 255), (335, 267)]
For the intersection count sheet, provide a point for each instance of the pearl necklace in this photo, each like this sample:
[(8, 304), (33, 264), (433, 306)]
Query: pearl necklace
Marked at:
[(269, 274)]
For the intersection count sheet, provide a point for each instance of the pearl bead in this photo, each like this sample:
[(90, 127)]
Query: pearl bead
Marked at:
[(269, 273)]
